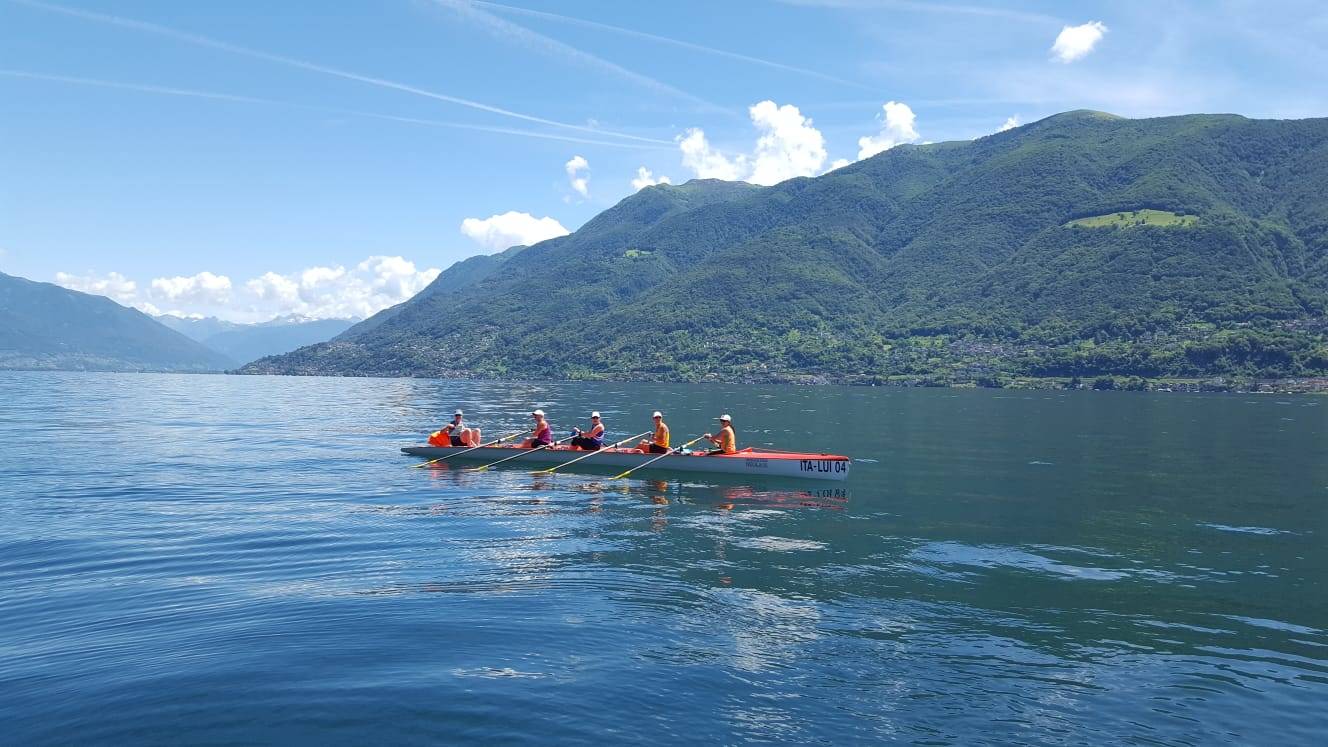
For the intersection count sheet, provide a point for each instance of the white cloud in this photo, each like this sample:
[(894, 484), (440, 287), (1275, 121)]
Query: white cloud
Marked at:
[(315, 292), (897, 128), (705, 162), (1011, 122), (274, 290), (113, 285), (644, 178), (787, 146), (580, 184), (337, 292), (1074, 42), (839, 163), (204, 288), (499, 232)]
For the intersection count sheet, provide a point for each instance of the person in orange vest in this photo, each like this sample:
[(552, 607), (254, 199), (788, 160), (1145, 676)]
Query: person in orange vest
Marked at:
[(455, 433), (543, 433), (658, 443), (726, 439)]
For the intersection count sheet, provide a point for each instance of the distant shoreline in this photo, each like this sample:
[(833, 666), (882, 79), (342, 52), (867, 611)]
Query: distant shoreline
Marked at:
[(1105, 382)]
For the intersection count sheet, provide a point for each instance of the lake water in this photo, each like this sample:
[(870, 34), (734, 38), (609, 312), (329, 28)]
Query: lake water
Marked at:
[(210, 559)]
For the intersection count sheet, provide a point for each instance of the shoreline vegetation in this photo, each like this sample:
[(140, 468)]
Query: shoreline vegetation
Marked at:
[(1209, 384)]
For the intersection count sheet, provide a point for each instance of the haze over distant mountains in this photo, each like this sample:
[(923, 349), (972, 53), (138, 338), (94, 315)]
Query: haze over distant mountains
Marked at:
[(247, 342), (1081, 244), (46, 326)]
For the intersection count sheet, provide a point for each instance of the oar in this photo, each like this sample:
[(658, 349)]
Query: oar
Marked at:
[(523, 453), (550, 470), (466, 451), (656, 459)]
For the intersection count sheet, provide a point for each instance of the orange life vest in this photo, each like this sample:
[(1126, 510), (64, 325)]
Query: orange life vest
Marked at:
[(728, 440)]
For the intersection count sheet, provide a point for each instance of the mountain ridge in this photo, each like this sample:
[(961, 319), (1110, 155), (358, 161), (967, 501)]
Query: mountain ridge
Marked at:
[(241, 343), (904, 264), (44, 326)]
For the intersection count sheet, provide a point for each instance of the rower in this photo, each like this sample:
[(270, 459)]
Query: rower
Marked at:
[(455, 433), (543, 434), (726, 439), (659, 443), (593, 439)]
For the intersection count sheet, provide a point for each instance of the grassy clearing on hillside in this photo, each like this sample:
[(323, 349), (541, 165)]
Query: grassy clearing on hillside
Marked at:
[(1131, 218)]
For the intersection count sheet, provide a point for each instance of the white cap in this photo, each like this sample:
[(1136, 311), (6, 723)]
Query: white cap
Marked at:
[(594, 414), (538, 412), (657, 414), (725, 417), (458, 412)]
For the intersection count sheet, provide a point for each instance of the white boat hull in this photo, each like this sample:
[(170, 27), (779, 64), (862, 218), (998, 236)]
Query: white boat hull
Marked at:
[(754, 463)]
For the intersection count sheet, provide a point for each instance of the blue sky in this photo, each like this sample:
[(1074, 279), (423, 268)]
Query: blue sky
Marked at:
[(248, 159)]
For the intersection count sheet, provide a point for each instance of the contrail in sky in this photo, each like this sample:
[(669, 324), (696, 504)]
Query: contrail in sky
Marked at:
[(666, 40), (169, 91), (141, 87), (531, 39), (931, 7), (204, 41)]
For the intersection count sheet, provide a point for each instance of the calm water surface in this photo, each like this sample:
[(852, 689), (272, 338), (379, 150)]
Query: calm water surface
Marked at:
[(209, 560)]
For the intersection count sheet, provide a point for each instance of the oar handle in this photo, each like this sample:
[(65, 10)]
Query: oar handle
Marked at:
[(523, 453), (656, 459), (551, 470)]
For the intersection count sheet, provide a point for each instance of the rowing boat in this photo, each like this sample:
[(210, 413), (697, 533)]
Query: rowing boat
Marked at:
[(745, 462)]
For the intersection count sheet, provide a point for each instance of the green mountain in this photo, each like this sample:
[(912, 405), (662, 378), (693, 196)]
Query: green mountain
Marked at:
[(1081, 244), (44, 326)]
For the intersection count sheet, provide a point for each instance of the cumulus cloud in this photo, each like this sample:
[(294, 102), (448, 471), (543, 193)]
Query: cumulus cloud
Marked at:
[(645, 178), (897, 128), (705, 162), (839, 163), (204, 288), (499, 232), (315, 292), (1011, 122), (338, 292), (113, 285), (787, 145), (1074, 42), (580, 183), (274, 290)]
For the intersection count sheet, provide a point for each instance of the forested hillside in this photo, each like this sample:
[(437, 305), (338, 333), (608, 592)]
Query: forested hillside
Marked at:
[(44, 326), (1079, 245)]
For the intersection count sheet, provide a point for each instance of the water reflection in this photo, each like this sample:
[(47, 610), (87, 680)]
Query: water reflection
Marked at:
[(1127, 570)]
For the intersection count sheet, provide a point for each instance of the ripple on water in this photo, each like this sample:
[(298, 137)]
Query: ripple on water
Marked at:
[(249, 560), (1245, 530), (956, 553)]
